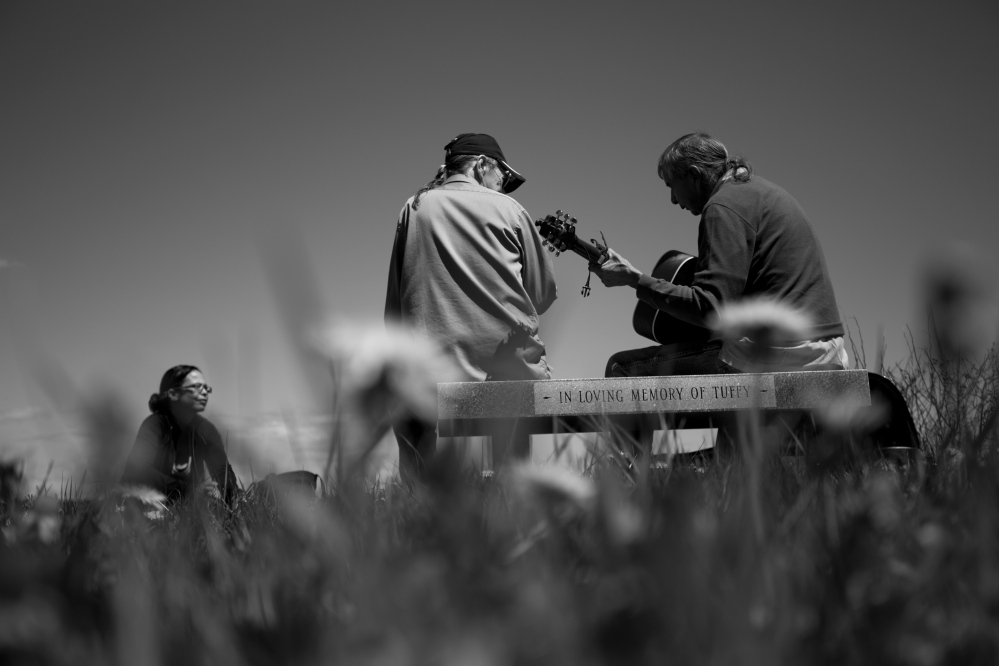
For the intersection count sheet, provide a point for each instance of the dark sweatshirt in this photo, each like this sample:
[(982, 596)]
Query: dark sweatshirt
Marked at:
[(172, 459), (753, 240)]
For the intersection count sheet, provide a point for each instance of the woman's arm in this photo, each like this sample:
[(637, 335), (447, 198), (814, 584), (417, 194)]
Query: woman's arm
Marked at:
[(210, 449), (148, 462)]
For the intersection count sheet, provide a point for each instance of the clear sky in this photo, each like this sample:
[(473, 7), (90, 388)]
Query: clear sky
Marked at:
[(146, 148)]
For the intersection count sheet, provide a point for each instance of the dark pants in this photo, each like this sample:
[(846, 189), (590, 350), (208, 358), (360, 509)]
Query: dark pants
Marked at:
[(679, 358)]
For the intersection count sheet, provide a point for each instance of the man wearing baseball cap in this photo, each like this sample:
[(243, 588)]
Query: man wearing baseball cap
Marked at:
[(468, 269)]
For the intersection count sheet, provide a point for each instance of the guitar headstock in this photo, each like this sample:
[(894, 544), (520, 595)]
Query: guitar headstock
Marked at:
[(559, 231)]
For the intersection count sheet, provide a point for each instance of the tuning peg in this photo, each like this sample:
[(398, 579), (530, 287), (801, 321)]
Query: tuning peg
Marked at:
[(557, 253), (551, 248), (572, 221)]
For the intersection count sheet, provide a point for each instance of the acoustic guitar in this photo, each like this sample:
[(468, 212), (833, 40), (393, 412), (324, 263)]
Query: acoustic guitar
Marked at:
[(676, 267), (559, 232)]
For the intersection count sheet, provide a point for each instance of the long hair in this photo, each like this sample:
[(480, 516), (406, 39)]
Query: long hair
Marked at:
[(452, 165), (703, 157), (173, 378)]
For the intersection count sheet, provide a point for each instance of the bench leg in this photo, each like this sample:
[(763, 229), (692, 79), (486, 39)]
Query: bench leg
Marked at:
[(632, 434), (511, 438)]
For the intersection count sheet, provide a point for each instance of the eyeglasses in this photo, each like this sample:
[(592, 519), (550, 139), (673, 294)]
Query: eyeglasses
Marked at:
[(506, 173), (507, 176), (197, 389)]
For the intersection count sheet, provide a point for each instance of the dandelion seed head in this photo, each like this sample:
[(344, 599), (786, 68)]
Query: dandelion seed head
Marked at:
[(843, 414), (625, 522), (552, 482), (762, 320), (391, 360), (152, 502)]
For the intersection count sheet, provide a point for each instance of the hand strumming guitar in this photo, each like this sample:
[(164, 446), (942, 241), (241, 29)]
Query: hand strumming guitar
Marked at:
[(616, 271)]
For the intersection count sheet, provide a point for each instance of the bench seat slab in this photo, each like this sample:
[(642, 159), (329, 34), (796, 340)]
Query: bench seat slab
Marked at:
[(687, 394)]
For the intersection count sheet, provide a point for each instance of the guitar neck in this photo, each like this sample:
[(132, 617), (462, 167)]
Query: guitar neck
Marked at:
[(559, 231), (588, 251)]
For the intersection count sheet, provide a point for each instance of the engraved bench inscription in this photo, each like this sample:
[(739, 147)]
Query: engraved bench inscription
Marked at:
[(654, 394), (689, 394)]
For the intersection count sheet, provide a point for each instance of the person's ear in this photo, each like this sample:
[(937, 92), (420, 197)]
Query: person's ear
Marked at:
[(478, 169), (174, 395)]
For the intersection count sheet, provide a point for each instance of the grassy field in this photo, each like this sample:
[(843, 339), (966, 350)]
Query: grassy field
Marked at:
[(756, 557), (838, 556)]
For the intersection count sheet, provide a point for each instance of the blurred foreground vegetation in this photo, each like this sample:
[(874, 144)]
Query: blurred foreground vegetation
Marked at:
[(757, 557)]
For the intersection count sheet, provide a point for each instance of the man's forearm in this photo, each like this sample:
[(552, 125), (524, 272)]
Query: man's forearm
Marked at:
[(688, 304)]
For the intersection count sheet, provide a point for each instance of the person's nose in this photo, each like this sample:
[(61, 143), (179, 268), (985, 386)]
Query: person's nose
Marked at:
[(672, 198)]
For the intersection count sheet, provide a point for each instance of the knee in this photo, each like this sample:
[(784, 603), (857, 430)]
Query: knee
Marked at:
[(613, 367)]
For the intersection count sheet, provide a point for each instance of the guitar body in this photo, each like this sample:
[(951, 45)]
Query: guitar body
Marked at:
[(656, 325)]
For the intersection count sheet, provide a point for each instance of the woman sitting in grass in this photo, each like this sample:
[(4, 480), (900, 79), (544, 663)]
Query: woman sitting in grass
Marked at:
[(176, 444)]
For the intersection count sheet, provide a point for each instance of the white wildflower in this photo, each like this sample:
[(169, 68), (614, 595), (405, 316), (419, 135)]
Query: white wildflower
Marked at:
[(761, 320), (624, 521), (152, 502), (844, 415), (552, 483), (761, 328), (388, 367)]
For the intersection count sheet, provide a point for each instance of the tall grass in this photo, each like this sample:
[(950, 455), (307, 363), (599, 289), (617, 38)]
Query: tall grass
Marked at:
[(687, 563), (755, 557)]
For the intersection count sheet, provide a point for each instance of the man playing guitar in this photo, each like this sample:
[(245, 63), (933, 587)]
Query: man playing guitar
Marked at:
[(754, 240)]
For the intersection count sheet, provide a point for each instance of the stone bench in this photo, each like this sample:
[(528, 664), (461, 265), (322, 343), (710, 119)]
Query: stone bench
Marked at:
[(519, 409)]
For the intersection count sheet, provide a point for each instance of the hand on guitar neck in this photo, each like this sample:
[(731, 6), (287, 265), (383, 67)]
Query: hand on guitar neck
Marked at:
[(559, 230), (616, 271)]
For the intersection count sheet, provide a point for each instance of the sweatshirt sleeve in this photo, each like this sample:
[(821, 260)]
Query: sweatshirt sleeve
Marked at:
[(147, 462), (725, 243), (538, 273)]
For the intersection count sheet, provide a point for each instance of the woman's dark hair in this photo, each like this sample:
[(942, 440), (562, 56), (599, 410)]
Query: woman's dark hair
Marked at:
[(172, 378), (702, 157), (454, 164)]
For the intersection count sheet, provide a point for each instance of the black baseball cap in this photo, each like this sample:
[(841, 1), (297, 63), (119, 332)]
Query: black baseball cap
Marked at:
[(483, 144)]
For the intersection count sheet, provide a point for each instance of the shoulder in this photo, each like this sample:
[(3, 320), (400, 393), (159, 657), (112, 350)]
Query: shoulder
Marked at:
[(481, 198), (748, 199), (738, 191), (156, 425), (512, 204), (205, 428)]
